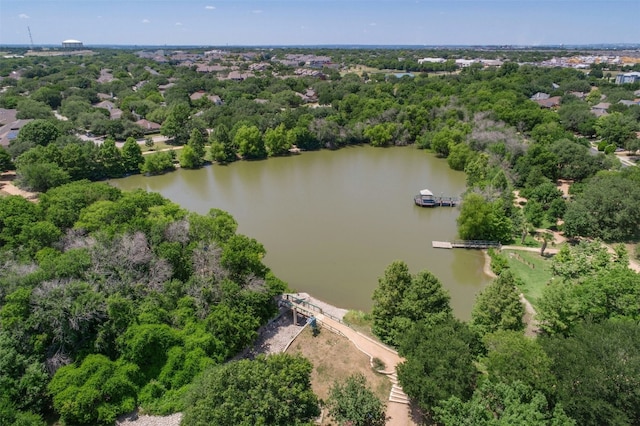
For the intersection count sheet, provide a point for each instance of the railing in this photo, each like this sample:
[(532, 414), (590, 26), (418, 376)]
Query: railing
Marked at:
[(292, 300), (476, 244)]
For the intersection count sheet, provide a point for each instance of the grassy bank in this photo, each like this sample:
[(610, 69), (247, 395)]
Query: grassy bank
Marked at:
[(533, 271)]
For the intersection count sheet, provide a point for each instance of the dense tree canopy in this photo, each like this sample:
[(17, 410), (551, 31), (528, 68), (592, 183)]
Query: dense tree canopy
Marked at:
[(439, 362), (272, 390), (598, 371)]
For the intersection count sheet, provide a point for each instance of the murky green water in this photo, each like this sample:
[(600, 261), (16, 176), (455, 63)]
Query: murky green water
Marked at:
[(332, 221)]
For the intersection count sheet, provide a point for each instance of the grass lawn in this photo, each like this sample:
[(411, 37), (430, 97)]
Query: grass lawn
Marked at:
[(533, 271)]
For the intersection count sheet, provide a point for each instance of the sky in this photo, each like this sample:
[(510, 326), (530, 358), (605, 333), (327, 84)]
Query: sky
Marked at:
[(319, 22)]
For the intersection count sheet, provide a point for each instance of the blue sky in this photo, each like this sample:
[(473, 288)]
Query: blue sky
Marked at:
[(309, 22)]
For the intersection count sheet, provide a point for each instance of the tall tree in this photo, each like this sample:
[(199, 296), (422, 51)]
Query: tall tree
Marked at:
[(222, 148), (132, 157), (176, 125), (110, 159), (197, 141), (94, 392), (498, 306), (276, 141), (249, 142), (401, 299)]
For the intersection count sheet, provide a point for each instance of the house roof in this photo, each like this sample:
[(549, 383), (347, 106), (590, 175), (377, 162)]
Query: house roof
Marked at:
[(148, 125), (10, 131), (549, 102)]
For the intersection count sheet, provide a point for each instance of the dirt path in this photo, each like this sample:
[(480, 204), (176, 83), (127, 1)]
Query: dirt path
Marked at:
[(398, 413), (7, 186)]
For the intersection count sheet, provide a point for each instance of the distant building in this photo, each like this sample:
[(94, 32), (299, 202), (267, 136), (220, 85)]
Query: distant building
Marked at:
[(72, 44), (629, 77)]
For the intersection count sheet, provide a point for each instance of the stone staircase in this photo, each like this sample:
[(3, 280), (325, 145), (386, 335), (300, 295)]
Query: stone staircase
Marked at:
[(397, 394)]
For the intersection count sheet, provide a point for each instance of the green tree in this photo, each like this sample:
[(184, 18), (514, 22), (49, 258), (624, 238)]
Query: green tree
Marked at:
[(242, 256), (401, 299), (5, 161), (249, 142), (606, 208), (616, 128), (189, 158), (483, 220), (514, 357), (500, 404), (439, 362), (381, 134), (498, 306), (40, 177), (62, 205), (29, 108), (40, 132), (94, 392), (222, 148), (597, 372), (609, 294), (274, 390), (132, 157), (353, 403), (197, 143), (176, 126), (110, 159), (47, 95), (276, 141), (157, 163)]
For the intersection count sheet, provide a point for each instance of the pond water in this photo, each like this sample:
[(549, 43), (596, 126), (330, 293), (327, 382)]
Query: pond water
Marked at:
[(332, 221)]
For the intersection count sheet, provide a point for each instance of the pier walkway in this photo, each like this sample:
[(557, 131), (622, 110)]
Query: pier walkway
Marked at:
[(468, 244), (398, 405)]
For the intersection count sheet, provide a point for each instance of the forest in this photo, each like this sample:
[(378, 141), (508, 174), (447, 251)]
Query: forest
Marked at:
[(113, 300)]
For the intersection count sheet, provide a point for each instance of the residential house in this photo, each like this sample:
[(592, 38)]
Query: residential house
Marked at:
[(600, 109), (540, 96), (148, 126), (114, 112), (215, 99), (10, 126), (552, 102)]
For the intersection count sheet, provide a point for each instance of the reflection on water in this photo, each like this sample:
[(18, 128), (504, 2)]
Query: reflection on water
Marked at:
[(332, 221)]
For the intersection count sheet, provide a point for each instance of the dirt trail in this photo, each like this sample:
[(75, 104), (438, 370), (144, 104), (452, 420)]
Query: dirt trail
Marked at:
[(7, 186)]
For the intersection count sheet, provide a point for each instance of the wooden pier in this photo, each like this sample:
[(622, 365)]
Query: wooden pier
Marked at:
[(425, 198), (468, 244)]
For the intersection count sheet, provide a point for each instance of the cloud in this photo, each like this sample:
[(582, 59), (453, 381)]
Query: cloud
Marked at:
[(372, 24), (178, 24), (146, 21), (23, 16), (256, 11), (210, 7)]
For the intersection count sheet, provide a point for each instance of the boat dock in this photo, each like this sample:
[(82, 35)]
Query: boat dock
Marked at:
[(425, 198), (468, 244)]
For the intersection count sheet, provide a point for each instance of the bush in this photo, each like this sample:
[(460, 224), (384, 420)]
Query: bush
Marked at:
[(95, 392)]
